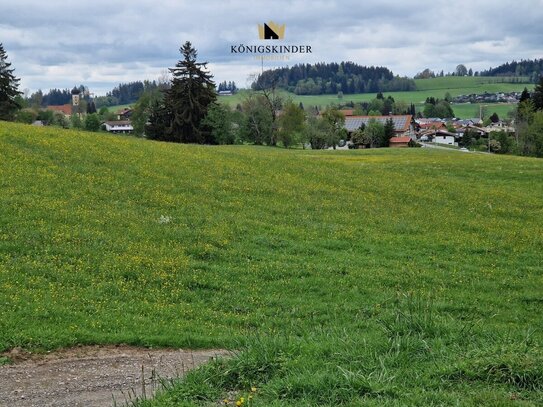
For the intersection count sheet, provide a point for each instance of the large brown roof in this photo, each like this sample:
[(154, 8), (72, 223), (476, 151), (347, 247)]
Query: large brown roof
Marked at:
[(66, 109)]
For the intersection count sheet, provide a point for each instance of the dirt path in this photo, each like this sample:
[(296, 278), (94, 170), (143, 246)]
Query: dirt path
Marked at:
[(91, 376)]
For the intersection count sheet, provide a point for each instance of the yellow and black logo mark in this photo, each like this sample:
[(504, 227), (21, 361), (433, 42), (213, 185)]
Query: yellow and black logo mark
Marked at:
[(271, 31)]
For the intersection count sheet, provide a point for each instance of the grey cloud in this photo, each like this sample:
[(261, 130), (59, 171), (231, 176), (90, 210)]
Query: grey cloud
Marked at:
[(93, 39)]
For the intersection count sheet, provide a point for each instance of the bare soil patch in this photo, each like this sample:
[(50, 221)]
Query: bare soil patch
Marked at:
[(92, 376)]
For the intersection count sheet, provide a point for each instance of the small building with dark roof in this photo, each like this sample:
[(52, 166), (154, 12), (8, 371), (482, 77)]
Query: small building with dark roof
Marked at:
[(396, 142)]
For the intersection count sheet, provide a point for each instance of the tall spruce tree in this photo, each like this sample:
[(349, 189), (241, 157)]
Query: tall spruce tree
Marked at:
[(8, 88), (192, 92)]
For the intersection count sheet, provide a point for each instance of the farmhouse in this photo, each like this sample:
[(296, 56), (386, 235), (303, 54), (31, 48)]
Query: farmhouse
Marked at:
[(119, 126), (403, 124)]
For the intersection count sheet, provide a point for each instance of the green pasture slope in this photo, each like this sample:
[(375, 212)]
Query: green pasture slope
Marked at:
[(353, 278), (117, 108), (433, 87)]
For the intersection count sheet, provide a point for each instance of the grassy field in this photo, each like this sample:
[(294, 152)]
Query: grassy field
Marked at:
[(434, 87), (117, 108), (377, 278), (468, 110)]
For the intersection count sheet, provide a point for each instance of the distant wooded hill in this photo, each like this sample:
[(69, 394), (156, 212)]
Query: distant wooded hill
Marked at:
[(530, 68), (331, 78)]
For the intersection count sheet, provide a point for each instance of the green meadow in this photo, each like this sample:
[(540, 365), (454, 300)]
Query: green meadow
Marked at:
[(433, 87), (383, 277)]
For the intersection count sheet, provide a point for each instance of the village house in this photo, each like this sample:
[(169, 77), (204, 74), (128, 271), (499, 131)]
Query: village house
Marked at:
[(119, 126), (446, 137), (125, 114)]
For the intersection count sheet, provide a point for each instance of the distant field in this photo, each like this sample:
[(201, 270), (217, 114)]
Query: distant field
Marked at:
[(466, 111), (383, 277), (434, 87), (489, 83)]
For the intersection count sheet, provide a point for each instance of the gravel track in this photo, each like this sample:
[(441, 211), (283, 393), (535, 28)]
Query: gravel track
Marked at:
[(92, 376)]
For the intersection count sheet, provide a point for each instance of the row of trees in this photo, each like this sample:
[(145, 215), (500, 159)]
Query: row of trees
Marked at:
[(460, 70), (229, 86), (531, 68), (520, 70)]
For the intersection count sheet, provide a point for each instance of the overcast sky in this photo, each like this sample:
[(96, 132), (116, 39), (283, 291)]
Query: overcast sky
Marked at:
[(59, 44)]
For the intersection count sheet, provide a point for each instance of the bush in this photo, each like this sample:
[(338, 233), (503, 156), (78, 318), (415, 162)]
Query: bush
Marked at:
[(26, 116), (92, 122)]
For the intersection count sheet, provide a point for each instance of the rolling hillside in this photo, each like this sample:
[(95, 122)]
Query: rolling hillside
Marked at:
[(433, 87), (380, 277)]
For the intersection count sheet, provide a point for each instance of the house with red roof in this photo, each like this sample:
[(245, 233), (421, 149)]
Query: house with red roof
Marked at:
[(64, 109)]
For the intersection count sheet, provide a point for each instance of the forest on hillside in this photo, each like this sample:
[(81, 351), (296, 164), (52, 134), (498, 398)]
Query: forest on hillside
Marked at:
[(530, 68), (332, 78)]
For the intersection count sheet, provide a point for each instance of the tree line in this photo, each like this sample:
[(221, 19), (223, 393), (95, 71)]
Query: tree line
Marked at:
[(229, 86), (331, 78), (531, 68), (511, 71)]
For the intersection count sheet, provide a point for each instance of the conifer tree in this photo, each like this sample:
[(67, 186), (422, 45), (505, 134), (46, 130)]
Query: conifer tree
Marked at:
[(537, 95), (191, 93), (8, 88), (525, 95)]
